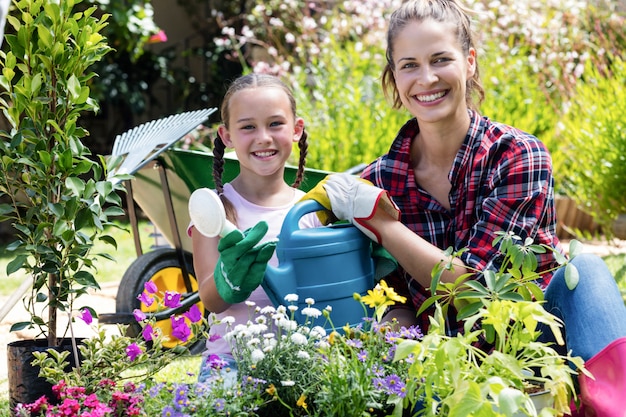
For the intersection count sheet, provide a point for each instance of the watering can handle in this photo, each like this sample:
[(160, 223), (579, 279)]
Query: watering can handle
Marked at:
[(294, 215)]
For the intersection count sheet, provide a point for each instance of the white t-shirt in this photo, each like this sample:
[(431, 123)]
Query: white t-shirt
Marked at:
[(249, 214)]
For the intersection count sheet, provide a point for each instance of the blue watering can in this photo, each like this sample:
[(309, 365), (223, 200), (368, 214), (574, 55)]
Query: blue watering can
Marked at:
[(328, 264)]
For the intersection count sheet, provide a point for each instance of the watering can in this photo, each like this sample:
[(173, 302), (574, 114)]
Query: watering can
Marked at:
[(328, 264)]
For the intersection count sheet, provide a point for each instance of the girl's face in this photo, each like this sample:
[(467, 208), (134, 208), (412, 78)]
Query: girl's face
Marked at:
[(261, 129), (431, 71)]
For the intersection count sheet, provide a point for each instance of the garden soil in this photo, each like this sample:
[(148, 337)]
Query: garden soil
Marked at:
[(103, 302)]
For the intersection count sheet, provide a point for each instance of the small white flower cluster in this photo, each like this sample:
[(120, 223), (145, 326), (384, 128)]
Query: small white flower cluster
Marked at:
[(270, 326)]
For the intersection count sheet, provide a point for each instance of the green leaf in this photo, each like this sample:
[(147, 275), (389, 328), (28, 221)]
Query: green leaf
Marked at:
[(76, 185), (510, 400), (469, 310), (16, 264), (575, 248), (571, 276), (73, 87), (86, 278), (405, 348), (19, 326)]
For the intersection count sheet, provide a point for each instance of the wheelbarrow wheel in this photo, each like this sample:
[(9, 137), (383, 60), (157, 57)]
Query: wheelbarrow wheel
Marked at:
[(161, 266)]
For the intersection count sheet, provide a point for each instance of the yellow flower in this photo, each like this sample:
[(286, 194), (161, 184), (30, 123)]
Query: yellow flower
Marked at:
[(271, 390), (375, 297), (302, 401), (391, 293)]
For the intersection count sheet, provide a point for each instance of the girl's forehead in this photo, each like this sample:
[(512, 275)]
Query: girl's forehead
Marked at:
[(259, 101)]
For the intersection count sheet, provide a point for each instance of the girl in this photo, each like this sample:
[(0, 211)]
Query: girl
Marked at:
[(260, 123)]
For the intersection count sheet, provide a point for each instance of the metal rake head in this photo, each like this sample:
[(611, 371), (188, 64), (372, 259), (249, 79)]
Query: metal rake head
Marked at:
[(145, 142)]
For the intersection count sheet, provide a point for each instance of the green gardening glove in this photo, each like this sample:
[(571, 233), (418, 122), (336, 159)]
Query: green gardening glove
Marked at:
[(384, 263), (241, 266)]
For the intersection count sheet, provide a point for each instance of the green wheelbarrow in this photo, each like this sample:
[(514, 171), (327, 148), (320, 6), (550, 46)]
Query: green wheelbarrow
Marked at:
[(163, 178)]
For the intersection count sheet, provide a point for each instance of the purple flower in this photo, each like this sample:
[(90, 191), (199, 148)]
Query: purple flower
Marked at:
[(180, 328), (194, 315), (215, 362), (147, 332), (214, 337), (395, 385), (86, 316), (220, 403), (132, 351), (139, 315), (145, 299), (172, 299), (150, 287)]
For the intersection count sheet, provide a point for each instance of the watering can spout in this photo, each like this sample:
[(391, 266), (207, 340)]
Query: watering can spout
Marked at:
[(327, 264)]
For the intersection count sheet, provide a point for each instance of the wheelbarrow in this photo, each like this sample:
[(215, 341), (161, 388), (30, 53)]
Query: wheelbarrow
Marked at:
[(163, 178)]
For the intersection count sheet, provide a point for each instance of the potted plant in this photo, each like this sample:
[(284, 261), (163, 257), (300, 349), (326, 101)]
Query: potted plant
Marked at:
[(57, 203), (504, 308)]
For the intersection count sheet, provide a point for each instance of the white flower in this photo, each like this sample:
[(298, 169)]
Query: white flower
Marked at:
[(250, 303), (292, 308), (318, 332), (228, 320), (291, 298), (311, 312), (309, 301), (288, 325), (268, 310), (256, 355), (287, 383), (299, 339), (303, 355)]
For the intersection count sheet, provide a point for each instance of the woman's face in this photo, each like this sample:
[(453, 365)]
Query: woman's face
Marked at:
[(261, 129), (431, 71)]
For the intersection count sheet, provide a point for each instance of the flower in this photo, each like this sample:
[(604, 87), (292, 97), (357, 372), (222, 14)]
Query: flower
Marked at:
[(100, 385), (283, 367)]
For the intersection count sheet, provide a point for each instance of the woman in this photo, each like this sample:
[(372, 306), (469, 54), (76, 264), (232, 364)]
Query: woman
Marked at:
[(458, 178)]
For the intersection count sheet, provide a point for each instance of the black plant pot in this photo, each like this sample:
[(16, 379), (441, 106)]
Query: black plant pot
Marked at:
[(25, 385)]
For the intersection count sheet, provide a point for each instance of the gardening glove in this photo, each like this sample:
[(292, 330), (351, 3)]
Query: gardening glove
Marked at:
[(353, 199), (384, 263), (242, 262)]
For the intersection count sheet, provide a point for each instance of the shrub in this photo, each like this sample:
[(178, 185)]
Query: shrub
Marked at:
[(594, 128)]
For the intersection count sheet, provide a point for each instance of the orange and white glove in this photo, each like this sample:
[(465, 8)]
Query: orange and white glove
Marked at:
[(354, 199)]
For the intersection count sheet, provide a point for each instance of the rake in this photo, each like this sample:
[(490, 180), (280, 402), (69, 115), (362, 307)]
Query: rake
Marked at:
[(143, 143)]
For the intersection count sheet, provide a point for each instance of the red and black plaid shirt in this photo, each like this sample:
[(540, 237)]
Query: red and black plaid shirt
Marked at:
[(501, 181)]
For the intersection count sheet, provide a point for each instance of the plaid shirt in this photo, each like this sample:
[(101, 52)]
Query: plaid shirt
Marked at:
[(501, 181)]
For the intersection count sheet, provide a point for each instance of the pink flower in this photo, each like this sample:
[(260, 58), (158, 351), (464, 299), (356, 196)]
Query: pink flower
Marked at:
[(180, 328), (86, 316), (139, 315), (150, 287), (158, 37), (132, 351), (146, 299), (172, 299), (194, 315), (147, 333)]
